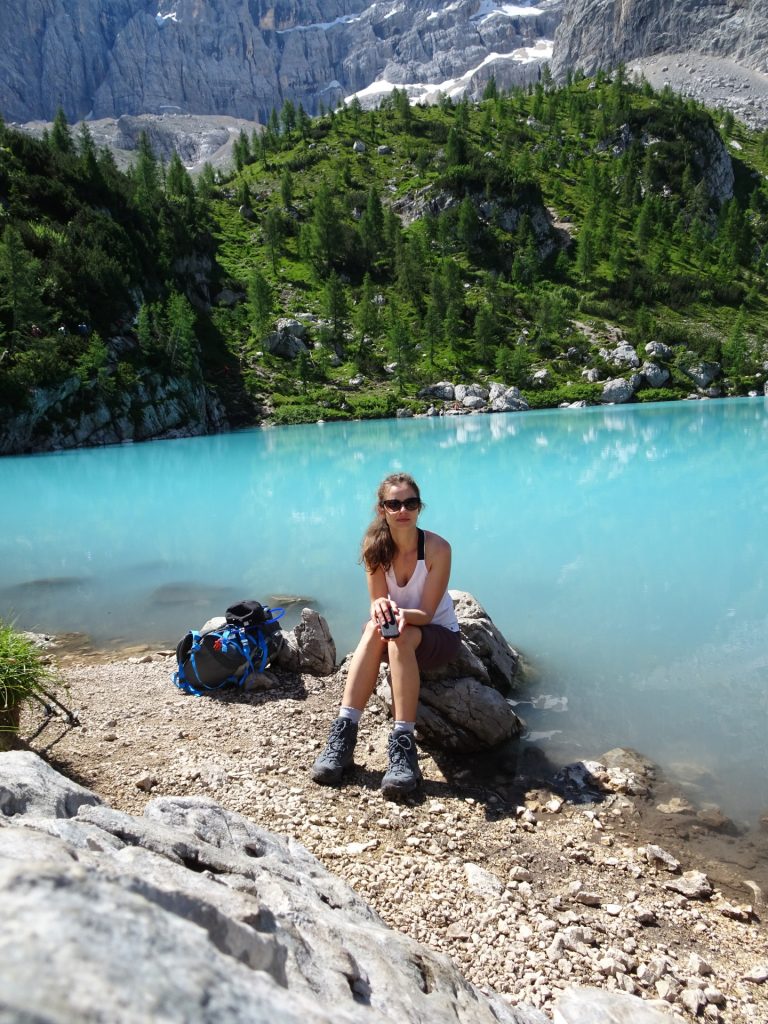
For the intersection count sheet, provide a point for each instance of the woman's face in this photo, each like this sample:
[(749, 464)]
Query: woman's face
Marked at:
[(392, 505)]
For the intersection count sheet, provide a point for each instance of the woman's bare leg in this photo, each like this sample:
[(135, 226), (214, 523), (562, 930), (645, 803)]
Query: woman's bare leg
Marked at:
[(364, 669), (405, 674)]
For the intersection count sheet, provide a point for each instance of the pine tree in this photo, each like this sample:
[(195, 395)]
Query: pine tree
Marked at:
[(274, 232), (20, 299), (61, 136), (260, 299), (335, 307)]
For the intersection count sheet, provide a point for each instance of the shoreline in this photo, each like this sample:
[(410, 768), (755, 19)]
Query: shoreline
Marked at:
[(486, 864)]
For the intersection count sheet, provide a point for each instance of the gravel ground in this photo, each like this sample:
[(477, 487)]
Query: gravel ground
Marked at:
[(525, 892), (715, 81)]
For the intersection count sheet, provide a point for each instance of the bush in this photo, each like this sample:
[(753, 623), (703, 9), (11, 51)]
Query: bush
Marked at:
[(23, 674), (552, 397)]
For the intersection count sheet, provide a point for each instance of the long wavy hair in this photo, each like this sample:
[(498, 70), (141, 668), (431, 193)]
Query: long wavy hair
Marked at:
[(378, 547)]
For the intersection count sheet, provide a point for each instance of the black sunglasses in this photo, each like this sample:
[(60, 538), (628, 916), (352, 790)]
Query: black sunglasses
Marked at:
[(394, 504)]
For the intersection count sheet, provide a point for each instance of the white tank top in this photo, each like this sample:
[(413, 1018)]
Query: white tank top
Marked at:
[(410, 595)]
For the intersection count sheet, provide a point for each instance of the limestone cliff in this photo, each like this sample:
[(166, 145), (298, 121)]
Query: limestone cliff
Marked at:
[(603, 33), (105, 58)]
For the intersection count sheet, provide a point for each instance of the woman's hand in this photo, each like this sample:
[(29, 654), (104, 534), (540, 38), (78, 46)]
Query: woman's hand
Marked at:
[(382, 611)]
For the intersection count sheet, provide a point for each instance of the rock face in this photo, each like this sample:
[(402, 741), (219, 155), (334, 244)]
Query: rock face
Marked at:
[(76, 415), (604, 33), (463, 706), (104, 59), (228, 921)]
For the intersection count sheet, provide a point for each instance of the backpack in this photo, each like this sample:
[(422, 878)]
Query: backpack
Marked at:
[(227, 656)]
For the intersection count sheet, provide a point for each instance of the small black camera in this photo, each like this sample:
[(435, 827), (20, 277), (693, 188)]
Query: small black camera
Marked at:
[(389, 628)]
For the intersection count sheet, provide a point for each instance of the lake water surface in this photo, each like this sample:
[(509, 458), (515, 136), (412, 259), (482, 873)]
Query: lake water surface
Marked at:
[(622, 550)]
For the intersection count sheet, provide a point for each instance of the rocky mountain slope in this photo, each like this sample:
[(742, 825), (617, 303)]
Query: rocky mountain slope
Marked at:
[(602, 33), (103, 59), (710, 49)]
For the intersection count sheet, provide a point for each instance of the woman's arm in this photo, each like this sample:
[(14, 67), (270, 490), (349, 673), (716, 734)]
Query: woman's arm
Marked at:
[(380, 602), (438, 560)]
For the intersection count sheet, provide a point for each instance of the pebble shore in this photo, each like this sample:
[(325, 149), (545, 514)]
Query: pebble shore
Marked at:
[(526, 891)]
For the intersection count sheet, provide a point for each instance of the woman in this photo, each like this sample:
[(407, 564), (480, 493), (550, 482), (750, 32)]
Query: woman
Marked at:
[(407, 571)]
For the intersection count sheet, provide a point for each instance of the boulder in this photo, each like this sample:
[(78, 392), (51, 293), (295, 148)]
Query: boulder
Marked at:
[(226, 921), (541, 379), (443, 390), (464, 391), (617, 391), (462, 706), (655, 376), (474, 402), (287, 340), (658, 350), (623, 355), (591, 376), (703, 373), (308, 647), (509, 401), (463, 715)]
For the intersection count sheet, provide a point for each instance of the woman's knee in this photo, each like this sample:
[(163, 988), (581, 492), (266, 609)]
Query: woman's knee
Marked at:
[(407, 642), (371, 636)]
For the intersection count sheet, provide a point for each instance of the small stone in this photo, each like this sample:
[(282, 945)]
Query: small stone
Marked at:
[(758, 974), (742, 913), (698, 965), (694, 1000), (145, 782), (667, 989), (694, 885), (644, 915), (656, 855)]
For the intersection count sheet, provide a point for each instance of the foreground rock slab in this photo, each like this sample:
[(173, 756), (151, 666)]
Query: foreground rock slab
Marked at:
[(228, 922)]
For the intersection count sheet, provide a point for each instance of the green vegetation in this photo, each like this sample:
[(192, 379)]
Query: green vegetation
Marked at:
[(23, 675), (463, 242)]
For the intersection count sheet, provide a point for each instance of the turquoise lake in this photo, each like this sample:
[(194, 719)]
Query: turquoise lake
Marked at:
[(622, 550)]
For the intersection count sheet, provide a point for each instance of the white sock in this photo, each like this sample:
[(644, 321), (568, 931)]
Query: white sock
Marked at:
[(351, 713), (404, 727)]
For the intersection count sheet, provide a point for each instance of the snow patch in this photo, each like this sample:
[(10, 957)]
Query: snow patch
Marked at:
[(161, 18), (345, 19), (454, 87), (488, 9)]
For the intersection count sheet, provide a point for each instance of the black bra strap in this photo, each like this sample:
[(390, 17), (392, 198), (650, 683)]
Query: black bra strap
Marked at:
[(420, 556)]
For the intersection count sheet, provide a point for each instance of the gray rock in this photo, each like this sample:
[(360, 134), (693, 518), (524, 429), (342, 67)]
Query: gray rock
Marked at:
[(461, 706), (617, 391), (510, 400), (596, 1006), (76, 415), (228, 922), (464, 715), (703, 373), (317, 651), (541, 378), (658, 350), (285, 342), (693, 884), (443, 390), (624, 355), (474, 402), (30, 786), (591, 375), (655, 376)]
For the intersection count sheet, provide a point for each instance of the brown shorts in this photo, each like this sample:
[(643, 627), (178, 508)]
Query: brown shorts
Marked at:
[(438, 646)]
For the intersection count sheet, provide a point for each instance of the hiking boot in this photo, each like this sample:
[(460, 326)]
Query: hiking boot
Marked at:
[(404, 773), (338, 754)]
